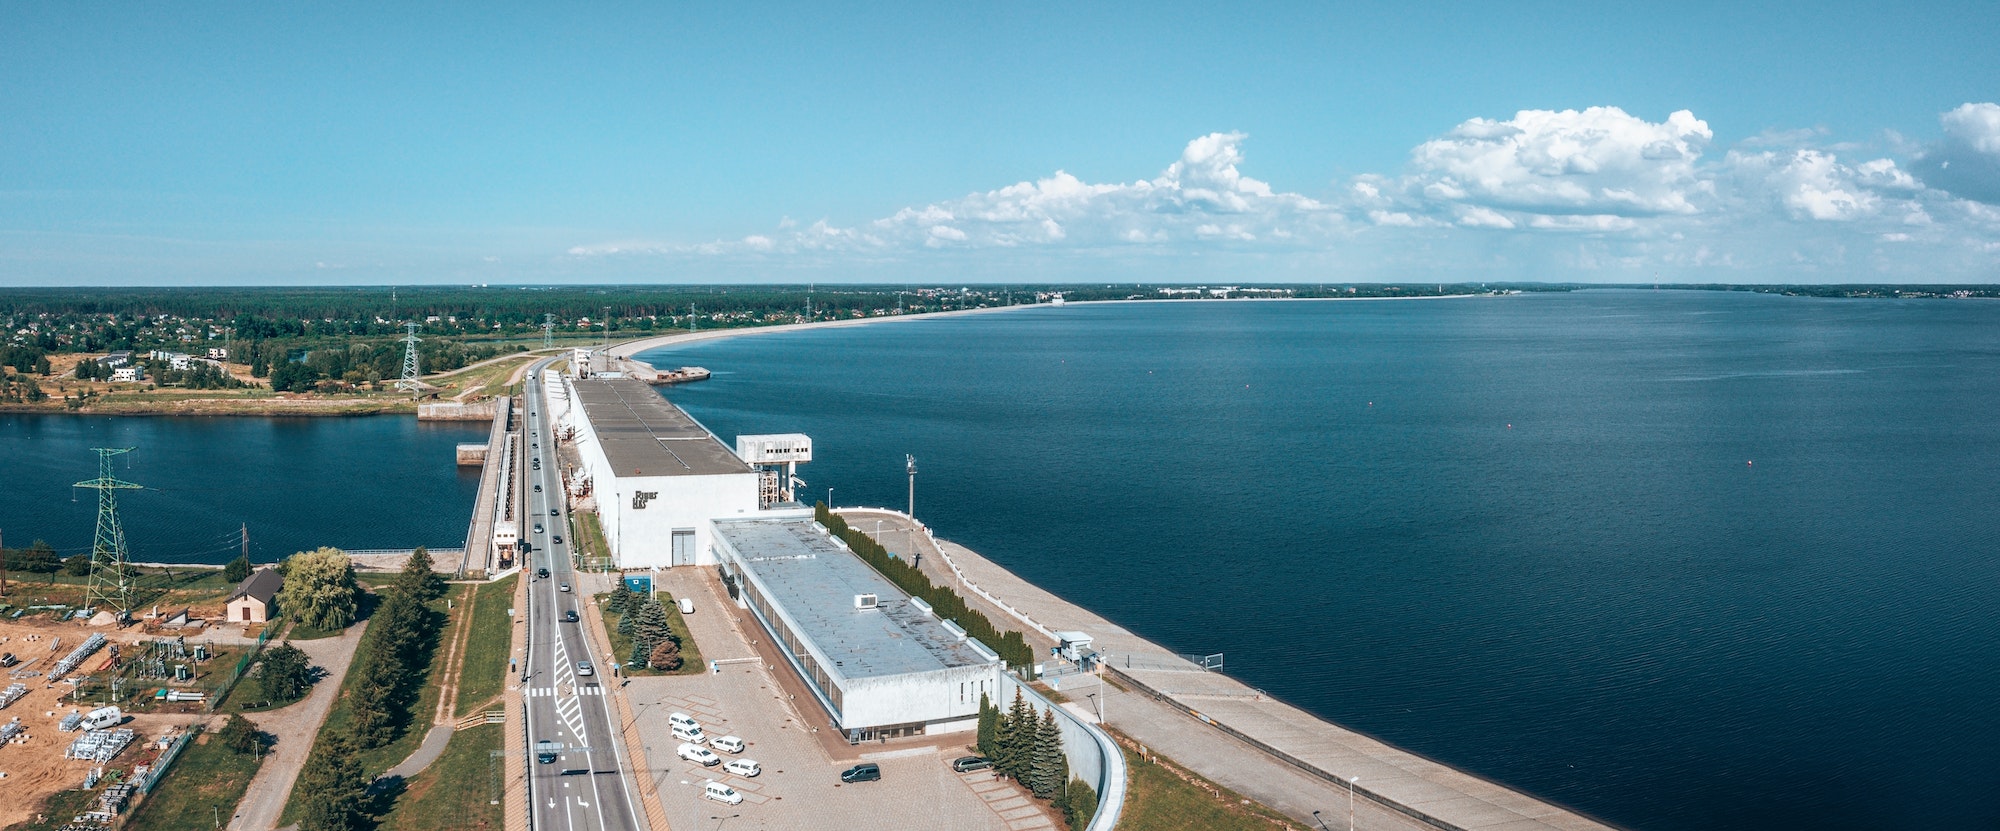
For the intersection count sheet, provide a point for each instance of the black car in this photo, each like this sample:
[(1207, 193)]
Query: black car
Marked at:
[(557, 538), (554, 512), (865, 772), (542, 573), (968, 764), (538, 488), (569, 616)]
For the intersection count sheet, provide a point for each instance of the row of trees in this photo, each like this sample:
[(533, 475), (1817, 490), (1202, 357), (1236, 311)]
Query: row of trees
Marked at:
[(644, 619), (1010, 646), (1029, 750), (392, 662)]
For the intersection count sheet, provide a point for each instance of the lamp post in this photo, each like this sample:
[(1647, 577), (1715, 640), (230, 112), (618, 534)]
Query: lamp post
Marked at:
[(1350, 801), (829, 500), (1098, 704), (1322, 822)]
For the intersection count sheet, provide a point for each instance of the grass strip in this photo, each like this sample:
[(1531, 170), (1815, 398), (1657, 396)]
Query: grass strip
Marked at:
[(486, 647), (1163, 796), (459, 792), (204, 783), (621, 646)]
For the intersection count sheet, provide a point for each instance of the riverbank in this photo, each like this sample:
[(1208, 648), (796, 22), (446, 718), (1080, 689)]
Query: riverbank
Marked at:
[(1220, 728)]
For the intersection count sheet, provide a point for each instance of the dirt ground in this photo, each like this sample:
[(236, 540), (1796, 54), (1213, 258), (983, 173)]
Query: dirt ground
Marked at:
[(32, 765)]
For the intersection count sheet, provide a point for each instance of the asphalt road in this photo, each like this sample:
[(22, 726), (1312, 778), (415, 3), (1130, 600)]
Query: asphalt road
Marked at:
[(588, 788)]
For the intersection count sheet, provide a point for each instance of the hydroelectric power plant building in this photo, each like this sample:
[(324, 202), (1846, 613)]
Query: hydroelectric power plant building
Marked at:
[(671, 494)]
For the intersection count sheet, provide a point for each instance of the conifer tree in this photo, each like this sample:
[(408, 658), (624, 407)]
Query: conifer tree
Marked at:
[(331, 788), (989, 727), (618, 599), (1047, 768), (666, 657), (628, 617), (1016, 738), (374, 704), (418, 580)]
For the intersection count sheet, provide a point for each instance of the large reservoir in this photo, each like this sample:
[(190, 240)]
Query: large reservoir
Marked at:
[(296, 483), (1682, 560)]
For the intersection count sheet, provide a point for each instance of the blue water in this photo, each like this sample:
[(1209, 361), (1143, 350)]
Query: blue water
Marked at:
[(1681, 560), (298, 483)]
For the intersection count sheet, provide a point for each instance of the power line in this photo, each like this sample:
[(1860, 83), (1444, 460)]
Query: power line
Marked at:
[(108, 581)]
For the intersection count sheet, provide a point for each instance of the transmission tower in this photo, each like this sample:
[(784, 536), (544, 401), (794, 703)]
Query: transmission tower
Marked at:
[(108, 582), (548, 331), (410, 382)]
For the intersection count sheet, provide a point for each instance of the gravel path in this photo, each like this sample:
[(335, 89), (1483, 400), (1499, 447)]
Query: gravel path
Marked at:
[(294, 726)]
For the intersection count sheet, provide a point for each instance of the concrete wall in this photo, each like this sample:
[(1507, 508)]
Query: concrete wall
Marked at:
[(643, 537), (922, 696), (1093, 756)]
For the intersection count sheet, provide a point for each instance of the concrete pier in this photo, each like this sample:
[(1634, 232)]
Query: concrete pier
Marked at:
[(1270, 751), (485, 508)]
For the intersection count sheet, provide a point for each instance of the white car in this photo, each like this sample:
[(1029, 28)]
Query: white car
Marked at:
[(721, 793), (697, 753), (743, 767), (731, 744), (691, 735), (682, 720)]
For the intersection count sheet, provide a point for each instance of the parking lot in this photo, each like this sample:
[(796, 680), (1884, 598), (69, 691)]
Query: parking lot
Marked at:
[(800, 785)]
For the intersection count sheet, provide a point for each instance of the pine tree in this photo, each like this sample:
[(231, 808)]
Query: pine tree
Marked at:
[(666, 657), (619, 597), (331, 788), (418, 579), (628, 617), (1047, 768), (989, 727), (1016, 738), (1079, 803), (374, 705), (652, 622)]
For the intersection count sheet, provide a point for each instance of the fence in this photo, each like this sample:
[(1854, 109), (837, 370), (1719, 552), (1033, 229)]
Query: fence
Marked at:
[(167, 757), (220, 689)]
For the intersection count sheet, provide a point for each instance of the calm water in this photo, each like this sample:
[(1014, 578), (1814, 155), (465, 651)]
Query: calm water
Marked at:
[(1681, 560), (299, 483)]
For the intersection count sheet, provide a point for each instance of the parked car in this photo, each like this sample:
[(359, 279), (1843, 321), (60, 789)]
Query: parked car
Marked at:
[(686, 604), (697, 753), (682, 720), (583, 668), (746, 768), (569, 616), (864, 772), (691, 735), (103, 718), (732, 744), (721, 793), (968, 764)]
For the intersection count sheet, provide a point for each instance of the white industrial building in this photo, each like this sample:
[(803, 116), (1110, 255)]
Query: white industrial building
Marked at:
[(879, 661), (658, 475)]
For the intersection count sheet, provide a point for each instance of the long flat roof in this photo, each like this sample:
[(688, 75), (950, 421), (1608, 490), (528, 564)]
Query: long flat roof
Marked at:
[(644, 435), (814, 580)]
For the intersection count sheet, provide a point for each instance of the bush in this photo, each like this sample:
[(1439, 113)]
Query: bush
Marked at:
[(666, 657), (76, 565), (239, 735), (320, 590), (238, 569), (287, 674)]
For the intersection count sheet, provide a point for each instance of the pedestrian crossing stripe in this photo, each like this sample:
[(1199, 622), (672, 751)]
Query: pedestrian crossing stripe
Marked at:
[(543, 692)]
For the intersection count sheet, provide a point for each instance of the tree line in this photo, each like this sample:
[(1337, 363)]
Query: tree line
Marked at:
[(644, 619), (1009, 645), (1029, 750)]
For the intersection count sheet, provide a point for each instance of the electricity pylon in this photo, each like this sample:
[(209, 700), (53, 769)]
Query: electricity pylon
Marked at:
[(109, 584), (548, 331), (410, 382)]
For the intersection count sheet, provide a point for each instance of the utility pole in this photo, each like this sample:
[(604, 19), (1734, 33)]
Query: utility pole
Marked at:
[(910, 462), (108, 583), (548, 331), (410, 382), (3, 565), (246, 541)]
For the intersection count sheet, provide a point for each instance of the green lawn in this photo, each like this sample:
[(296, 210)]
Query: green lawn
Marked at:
[(1157, 800), (207, 778), (486, 647), (61, 806), (621, 646), (458, 792), (379, 760)]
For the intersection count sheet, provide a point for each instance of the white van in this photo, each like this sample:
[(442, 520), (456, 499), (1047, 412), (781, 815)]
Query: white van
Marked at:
[(721, 793), (687, 605), (103, 718), (730, 744), (691, 735), (682, 720), (697, 754)]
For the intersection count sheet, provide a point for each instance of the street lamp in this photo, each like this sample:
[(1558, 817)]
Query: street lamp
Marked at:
[(829, 500), (1350, 801), (1098, 704), (1322, 822)]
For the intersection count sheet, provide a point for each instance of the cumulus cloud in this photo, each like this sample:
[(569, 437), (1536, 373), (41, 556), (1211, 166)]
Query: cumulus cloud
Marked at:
[(1967, 161), (1597, 161)]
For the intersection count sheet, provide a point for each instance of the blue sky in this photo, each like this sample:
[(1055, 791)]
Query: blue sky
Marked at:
[(262, 143)]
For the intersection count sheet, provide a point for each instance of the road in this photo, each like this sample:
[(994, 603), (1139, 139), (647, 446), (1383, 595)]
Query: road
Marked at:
[(588, 788)]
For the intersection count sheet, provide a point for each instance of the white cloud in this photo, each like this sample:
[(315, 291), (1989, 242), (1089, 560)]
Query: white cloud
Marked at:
[(1595, 161), (1967, 161)]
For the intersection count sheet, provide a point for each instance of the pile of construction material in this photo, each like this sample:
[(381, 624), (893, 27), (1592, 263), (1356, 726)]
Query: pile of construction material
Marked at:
[(113, 799), (71, 723), (99, 745), (11, 729), (12, 694), (75, 659)]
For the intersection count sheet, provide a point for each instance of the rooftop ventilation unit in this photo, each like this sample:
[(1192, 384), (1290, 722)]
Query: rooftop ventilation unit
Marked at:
[(957, 631), (865, 601), (921, 605)]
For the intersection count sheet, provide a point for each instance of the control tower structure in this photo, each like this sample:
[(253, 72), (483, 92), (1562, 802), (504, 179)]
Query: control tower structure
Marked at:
[(777, 457)]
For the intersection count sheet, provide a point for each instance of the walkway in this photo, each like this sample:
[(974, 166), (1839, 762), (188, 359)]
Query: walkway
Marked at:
[(294, 727), (1403, 784)]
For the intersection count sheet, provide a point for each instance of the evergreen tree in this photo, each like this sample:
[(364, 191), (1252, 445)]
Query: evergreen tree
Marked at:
[(418, 579), (618, 599), (1015, 741), (331, 788), (989, 727), (237, 570), (666, 657), (628, 618), (1048, 769), (287, 674), (374, 707), (1079, 803), (652, 622), (259, 367), (239, 735), (76, 565)]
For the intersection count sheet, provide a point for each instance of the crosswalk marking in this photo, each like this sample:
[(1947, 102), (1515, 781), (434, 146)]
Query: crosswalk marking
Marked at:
[(544, 692)]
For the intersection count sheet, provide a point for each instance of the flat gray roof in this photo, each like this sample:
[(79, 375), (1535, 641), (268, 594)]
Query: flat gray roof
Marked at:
[(814, 580), (644, 435)]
